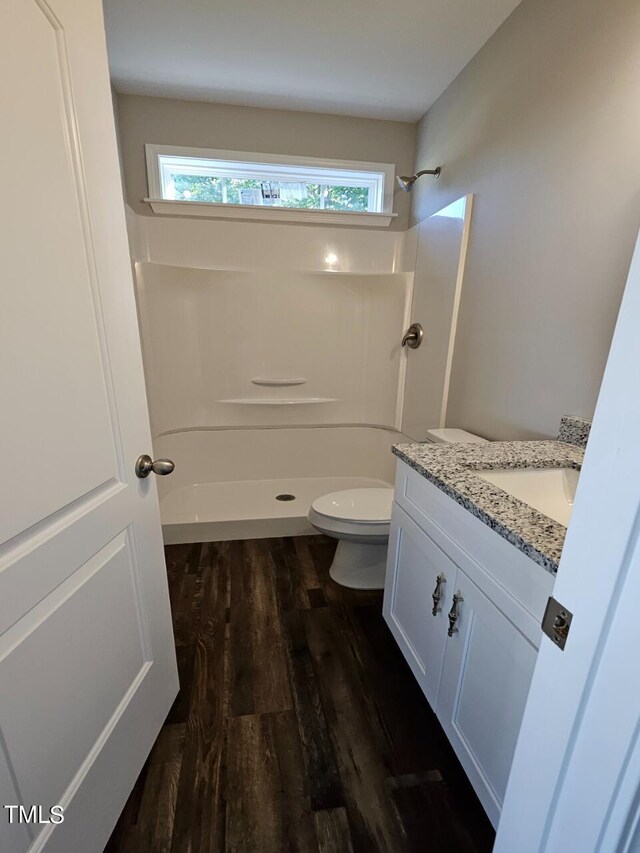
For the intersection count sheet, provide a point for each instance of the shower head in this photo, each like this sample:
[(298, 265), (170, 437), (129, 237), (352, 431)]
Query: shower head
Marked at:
[(406, 182)]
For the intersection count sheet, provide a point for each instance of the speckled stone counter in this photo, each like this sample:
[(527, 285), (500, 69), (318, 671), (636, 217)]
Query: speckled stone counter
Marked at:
[(574, 430), (452, 467)]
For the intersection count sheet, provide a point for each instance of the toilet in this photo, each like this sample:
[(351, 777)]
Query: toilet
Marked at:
[(360, 519)]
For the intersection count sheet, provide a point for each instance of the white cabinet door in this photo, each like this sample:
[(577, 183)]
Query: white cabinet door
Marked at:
[(414, 565), (87, 660), (487, 671)]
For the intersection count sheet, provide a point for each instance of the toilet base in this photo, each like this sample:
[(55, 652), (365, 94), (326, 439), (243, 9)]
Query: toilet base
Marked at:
[(358, 565)]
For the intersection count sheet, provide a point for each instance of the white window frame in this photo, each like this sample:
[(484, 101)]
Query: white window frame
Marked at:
[(379, 177)]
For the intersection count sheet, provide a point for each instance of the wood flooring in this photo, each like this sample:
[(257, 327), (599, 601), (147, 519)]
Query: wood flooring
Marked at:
[(298, 726)]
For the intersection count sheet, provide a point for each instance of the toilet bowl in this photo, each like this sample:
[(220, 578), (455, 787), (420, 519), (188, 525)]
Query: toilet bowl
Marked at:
[(360, 519)]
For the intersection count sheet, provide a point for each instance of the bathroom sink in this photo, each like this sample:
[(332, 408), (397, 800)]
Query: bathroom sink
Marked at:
[(549, 490)]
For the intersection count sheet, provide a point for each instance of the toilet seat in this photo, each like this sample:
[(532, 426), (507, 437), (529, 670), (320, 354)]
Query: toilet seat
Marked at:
[(360, 531), (361, 506)]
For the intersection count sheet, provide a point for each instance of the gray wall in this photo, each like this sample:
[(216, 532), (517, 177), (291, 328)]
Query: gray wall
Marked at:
[(165, 121), (543, 126)]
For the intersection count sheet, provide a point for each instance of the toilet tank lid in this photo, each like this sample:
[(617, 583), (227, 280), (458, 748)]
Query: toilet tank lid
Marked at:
[(454, 436)]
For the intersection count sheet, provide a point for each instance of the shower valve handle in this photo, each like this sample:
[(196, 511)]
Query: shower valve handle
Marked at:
[(145, 465), (413, 336)]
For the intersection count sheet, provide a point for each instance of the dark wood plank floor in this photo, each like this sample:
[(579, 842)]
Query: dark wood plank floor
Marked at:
[(298, 726)]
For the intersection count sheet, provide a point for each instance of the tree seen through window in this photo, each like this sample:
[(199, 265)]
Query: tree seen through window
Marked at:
[(226, 190)]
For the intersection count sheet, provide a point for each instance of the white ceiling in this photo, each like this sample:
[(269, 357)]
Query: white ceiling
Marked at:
[(379, 58)]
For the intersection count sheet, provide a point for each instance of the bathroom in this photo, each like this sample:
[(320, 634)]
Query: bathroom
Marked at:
[(348, 311)]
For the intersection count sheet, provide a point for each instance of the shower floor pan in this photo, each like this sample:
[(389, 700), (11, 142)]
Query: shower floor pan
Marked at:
[(248, 509)]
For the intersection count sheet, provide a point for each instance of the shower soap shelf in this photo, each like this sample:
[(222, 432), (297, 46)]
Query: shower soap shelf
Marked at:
[(278, 401), (295, 380)]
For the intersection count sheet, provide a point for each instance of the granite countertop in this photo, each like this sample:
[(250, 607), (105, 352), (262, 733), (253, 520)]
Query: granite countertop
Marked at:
[(452, 467)]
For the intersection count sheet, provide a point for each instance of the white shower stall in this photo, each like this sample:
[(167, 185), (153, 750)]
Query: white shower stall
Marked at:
[(269, 387), (264, 384)]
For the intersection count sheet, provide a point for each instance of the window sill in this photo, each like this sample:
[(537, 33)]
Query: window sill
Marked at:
[(166, 207)]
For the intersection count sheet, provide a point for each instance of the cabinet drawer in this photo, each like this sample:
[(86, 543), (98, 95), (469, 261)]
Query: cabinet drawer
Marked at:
[(472, 545)]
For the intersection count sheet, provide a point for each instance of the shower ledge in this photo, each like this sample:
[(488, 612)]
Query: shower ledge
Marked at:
[(294, 380), (278, 401), (217, 210)]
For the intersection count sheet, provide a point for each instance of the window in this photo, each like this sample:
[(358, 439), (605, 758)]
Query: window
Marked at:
[(266, 185)]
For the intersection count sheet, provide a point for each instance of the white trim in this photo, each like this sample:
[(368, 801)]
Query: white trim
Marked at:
[(380, 177), (468, 209), (402, 376), (167, 207)]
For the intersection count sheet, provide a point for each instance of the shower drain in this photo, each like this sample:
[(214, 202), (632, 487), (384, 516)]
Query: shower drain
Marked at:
[(285, 497)]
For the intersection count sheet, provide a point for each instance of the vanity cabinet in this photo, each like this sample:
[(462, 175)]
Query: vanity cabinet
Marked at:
[(474, 657)]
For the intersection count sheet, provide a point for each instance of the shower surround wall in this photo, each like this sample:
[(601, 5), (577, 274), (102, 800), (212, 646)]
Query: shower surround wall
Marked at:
[(226, 309), (271, 348), (228, 244)]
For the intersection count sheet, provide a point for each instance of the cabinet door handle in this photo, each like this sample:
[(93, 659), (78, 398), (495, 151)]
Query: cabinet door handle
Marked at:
[(437, 594), (454, 613)]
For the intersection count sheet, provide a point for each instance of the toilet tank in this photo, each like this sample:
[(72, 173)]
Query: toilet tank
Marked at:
[(454, 436)]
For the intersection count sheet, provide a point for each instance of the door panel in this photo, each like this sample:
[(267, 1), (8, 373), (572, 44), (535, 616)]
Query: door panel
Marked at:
[(87, 659), (48, 321), (35, 566), (414, 563), (486, 675), (53, 665)]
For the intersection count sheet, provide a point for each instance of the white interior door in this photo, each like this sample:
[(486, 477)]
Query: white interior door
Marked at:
[(87, 663), (575, 778)]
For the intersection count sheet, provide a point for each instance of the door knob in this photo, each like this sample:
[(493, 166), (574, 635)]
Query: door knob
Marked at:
[(145, 465), (413, 336)]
